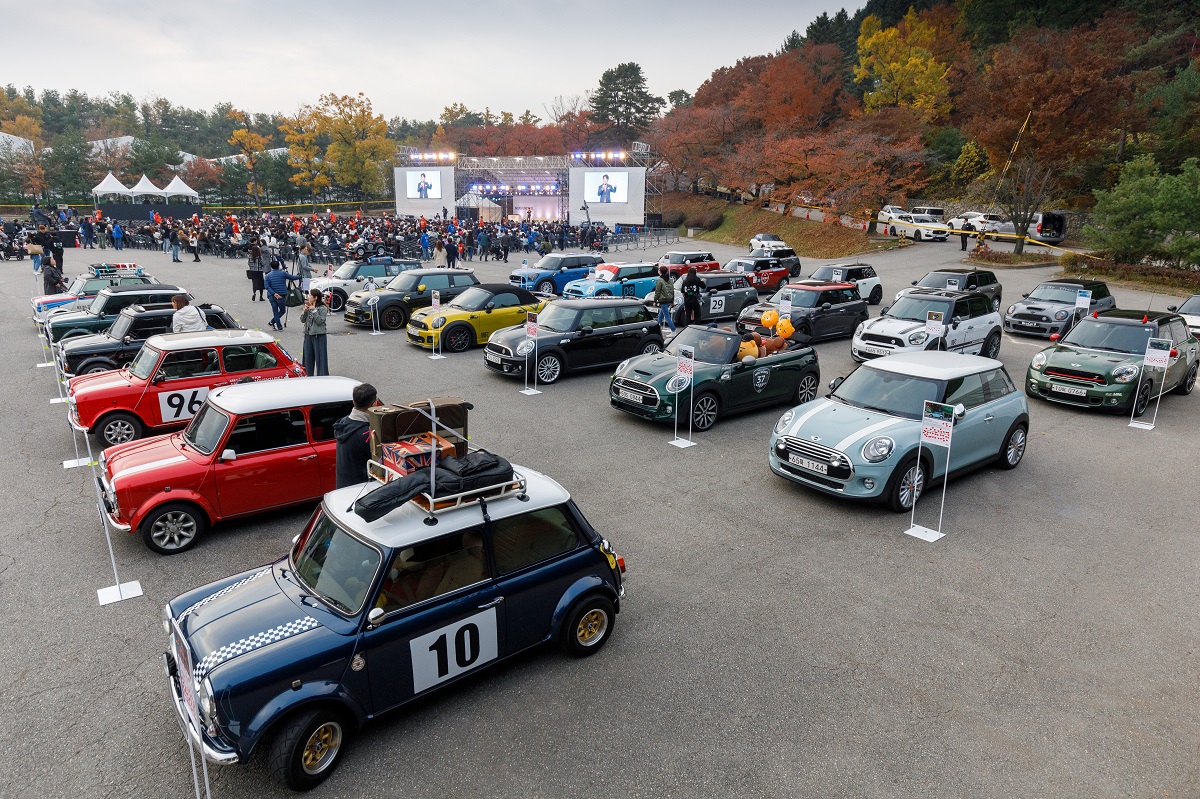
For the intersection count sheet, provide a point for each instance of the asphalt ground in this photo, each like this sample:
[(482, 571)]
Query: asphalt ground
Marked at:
[(774, 642)]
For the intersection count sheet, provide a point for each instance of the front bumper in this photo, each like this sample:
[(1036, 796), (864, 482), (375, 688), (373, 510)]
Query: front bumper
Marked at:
[(503, 364), (855, 487), (653, 407), (215, 752), (357, 316), (867, 350), (423, 338), (1031, 327), (108, 502), (1114, 397)]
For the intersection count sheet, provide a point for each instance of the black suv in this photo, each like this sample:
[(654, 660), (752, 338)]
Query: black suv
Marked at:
[(409, 291), (120, 344), (786, 255), (980, 280), (105, 308)]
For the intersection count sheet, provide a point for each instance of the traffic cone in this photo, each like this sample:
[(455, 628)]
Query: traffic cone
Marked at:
[(808, 215)]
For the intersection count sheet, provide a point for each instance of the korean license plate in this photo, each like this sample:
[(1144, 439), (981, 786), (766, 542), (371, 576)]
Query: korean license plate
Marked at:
[(491, 356), (629, 396), (874, 350), (1026, 324), (805, 463), (1071, 391)]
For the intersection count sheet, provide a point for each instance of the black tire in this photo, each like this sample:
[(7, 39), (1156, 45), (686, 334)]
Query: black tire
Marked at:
[(705, 411), (589, 626), (804, 330), (118, 428), (337, 301), (1013, 448), (394, 317), (876, 296), (937, 345), (1189, 381), (892, 230), (545, 286), (916, 236), (603, 293), (307, 748), (795, 271), (1141, 400), (359, 252), (900, 487), (650, 346), (807, 388), (458, 338), (549, 368), (173, 528), (95, 367), (996, 304), (991, 345)]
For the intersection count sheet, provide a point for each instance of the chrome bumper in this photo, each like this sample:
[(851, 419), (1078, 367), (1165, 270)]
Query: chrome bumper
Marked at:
[(213, 755)]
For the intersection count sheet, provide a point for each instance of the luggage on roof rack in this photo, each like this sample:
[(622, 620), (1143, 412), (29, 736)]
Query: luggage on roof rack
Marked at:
[(479, 475)]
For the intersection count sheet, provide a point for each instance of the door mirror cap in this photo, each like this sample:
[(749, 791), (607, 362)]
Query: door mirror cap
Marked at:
[(749, 360), (959, 411), (489, 307), (1169, 307), (158, 378), (562, 269), (585, 331), (914, 282), (1025, 295), (835, 382), (127, 340), (825, 306), (374, 617), (421, 287), (884, 310), (229, 456), (954, 323), (1055, 336), (360, 278)]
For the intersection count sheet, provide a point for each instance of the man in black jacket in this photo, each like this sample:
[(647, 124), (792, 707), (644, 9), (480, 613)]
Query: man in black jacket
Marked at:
[(353, 434)]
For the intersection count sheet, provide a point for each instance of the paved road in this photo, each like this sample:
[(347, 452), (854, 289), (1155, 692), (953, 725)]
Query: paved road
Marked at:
[(774, 642)]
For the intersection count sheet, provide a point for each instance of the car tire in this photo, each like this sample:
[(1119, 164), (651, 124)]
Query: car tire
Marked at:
[(1189, 381), (906, 485), (589, 625), (991, 345), (118, 428), (337, 301), (549, 368), (458, 338), (1013, 448), (307, 748), (876, 296), (173, 528), (603, 293), (804, 330), (650, 347), (806, 389), (794, 271), (937, 345), (394, 317), (95, 367), (1141, 400), (916, 236), (705, 410), (996, 304), (546, 287)]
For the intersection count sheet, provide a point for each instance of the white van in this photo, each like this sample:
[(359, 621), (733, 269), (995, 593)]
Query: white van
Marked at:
[(938, 214)]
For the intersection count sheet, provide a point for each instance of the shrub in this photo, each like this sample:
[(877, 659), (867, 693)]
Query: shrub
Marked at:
[(672, 218)]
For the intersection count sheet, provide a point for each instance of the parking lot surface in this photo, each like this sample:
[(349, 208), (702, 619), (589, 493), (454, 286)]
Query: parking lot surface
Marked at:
[(774, 642)]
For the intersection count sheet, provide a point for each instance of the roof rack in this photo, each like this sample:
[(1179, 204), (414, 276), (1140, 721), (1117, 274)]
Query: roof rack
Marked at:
[(433, 506), (102, 270)]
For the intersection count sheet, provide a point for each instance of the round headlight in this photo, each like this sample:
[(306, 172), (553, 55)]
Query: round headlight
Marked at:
[(859, 330), (525, 347), (1125, 374), (437, 322), (918, 337), (784, 421), (1012, 309), (877, 449), (1061, 315), (1038, 361)]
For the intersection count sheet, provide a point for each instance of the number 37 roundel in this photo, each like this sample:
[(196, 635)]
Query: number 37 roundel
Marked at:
[(454, 649)]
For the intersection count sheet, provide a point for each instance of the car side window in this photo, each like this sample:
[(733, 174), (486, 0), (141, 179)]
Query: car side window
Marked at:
[(830, 297), (371, 270), (189, 363), (849, 295), (868, 272), (153, 298), (432, 568), (464, 280), (506, 299), (635, 314), (718, 284), (962, 309), (93, 286), (216, 321), (996, 384), (267, 431), (438, 282), (1179, 332), (247, 358), (979, 307), (149, 326), (968, 390), (1100, 292), (521, 541), (740, 283), (597, 318), (322, 417)]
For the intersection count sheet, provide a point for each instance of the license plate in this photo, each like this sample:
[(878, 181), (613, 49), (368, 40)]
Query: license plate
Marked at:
[(491, 356), (1026, 324), (629, 395), (874, 350), (1069, 390), (805, 463)]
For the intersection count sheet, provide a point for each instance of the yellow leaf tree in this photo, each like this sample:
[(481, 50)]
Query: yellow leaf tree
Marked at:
[(899, 67), (25, 161), (359, 149), (250, 146), (302, 133)]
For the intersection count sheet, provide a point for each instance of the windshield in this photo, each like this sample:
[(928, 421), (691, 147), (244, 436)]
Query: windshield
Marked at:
[(549, 262), (143, 364), (1191, 305), (739, 265), (607, 275), (405, 282), (1048, 292), (206, 429), (768, 237), (335, 565), (899, 395), (1098, 334), (473, 299), (917, 308), (557, 318), (826, 273), (800, 298), (710, 346), (77, 285), (98, 304), (937, 280), (346, 271), (121, 327)]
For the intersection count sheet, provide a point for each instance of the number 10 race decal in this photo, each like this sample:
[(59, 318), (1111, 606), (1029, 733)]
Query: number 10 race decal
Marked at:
[(453, 649), (183, 404)]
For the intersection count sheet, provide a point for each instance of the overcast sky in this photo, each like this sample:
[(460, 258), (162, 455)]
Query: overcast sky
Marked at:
[(410, 59)]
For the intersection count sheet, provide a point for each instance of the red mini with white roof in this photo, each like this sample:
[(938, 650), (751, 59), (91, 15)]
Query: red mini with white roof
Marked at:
[(167, 382), (250, 448)]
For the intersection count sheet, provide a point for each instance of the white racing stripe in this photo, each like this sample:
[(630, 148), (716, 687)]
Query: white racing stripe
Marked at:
[(796, 423), (145, 467), (861, 434)]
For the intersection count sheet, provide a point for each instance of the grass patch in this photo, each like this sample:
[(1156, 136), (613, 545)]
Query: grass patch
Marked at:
[(1158, 277), (734, 224), (1008, 258)]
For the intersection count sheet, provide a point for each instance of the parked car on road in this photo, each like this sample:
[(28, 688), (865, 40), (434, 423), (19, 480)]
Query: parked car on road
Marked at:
[(552, 273), (1050, 308), (615, 280), (352, 275), (86, 286), (1190, 311), (981, 280), (785, 255), (678, 262), (725, 295), (970, 326), (973, 220), (408, 292), (820, 310), (1045, 228), (766, 241), (472, 317), (765, 274), (863, 276), (105, 307)]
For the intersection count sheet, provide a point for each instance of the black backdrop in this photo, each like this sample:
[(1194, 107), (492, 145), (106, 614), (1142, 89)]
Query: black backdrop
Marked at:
[(140, 212)]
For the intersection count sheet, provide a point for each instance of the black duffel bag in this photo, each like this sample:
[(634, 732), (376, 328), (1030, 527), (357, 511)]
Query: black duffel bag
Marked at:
[(472, 472)]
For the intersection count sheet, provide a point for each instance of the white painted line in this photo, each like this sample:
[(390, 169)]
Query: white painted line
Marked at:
[(57, 400), (43, 365), (77, 462)]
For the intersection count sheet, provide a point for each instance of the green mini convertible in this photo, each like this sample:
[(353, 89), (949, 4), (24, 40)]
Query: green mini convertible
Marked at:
[(1099, 364), (650, 386)]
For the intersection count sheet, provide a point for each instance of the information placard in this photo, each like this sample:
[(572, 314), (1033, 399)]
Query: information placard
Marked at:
[(1158, 353), (933, 323), (785, 307), (1083, 299), (531, 326), (952, 284), (436, 304), (937, 424)]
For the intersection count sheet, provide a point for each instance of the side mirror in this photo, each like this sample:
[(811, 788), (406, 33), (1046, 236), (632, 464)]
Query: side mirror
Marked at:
[(954, 323), (360, 278), (884, 309), (129, 339), (749, 360), (1055, 336), (585, 331), (835, 382), (489, 307), (229, 456), (374, 617), (914, 282), (562, 269), (1169, 307), (959, 411), (158, 378), (1025, 295), (825, 306), (421, 287)]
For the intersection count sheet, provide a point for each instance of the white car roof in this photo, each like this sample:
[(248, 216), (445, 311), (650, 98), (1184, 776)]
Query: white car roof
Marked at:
[(207, 338), (405, 525), (271, 395), (934, 365)]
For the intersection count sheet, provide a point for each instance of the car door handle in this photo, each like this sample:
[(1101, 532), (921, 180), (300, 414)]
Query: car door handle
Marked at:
[(988, 418), (492, 604), (306, 458)]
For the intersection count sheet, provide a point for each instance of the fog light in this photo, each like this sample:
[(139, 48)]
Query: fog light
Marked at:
[(868, 483)]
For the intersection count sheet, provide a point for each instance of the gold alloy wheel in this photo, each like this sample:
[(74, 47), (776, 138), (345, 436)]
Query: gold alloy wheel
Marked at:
[(322, 747), (591, 628)]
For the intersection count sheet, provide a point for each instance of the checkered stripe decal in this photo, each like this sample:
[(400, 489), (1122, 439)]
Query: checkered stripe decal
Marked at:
[(256, 641), (222, 593)]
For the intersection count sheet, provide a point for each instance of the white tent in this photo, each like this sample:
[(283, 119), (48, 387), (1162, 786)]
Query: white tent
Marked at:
[(144, 186), (110, 185), (177, 188)]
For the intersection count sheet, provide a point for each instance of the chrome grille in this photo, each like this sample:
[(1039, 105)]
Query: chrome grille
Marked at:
[(810, 449), (648, 392), (1031, 317), (878, 339), (499, 350)]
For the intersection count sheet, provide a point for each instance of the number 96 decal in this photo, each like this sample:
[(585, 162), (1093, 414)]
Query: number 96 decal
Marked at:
[(451, 650), (183, 404)]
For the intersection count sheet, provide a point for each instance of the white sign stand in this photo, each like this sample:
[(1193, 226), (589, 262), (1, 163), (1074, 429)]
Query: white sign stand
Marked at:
[(373, 302), (937, 430), (1158, 356), (185, 671), (436, 306), (531, 330), (685, 367)]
